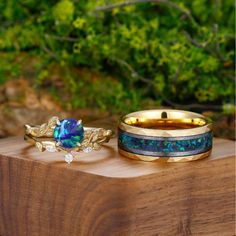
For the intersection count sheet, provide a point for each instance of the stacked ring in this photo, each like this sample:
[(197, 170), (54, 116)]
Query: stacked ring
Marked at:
[(170, 135)]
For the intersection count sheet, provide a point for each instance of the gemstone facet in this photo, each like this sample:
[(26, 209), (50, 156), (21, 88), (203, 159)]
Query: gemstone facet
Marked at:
[(69, 158), (161, 146), (69, 133), (50, 148), (87, 149)]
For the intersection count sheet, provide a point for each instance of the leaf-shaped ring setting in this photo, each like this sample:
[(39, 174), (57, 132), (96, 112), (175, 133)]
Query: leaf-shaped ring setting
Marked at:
[(67, 135)]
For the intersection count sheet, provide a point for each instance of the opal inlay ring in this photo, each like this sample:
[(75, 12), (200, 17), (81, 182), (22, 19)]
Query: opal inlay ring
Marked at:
[(169, 135), (66, 135)]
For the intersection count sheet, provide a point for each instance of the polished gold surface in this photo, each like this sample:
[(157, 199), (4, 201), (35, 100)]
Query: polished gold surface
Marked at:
[(164, 159), (165, 123), (42, 137)]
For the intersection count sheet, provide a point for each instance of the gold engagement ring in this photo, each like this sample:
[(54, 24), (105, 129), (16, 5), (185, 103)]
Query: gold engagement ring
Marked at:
[(67, 135)]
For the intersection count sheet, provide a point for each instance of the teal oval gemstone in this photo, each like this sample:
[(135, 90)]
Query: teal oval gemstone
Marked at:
[(69, 133)]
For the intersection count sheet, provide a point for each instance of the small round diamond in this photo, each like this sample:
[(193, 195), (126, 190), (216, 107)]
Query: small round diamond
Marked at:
[(69, 158), (50, 148), (69, 132), (87, 149)]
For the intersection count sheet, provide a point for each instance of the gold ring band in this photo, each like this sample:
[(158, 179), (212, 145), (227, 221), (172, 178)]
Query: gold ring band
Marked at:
[(169, 135)]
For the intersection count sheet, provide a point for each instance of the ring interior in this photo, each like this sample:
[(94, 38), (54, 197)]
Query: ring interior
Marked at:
[(162, 122)]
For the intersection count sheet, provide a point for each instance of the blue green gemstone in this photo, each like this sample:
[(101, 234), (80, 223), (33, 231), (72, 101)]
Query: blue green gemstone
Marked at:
[(200, 143), (69, 133)]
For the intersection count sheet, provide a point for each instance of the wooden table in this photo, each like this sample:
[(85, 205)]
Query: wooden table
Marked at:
[(102, 193)]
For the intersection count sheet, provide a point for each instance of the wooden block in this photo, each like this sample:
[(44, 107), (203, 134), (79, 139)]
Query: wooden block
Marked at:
[(103, 193)]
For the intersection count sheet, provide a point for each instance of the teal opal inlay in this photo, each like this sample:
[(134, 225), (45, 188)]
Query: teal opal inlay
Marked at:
[(165, 146), (69, 133)]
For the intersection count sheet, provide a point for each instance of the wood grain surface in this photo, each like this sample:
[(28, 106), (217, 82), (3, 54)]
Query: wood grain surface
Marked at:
[(102, 193)]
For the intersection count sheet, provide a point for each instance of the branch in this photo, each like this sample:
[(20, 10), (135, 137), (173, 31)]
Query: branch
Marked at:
[(59, 38), (134, 73), (167, 101), (50, 53), (193, 105), (215, 31), (232, 77), (177, 73), (196, 43), (133, 2), (217, 51)]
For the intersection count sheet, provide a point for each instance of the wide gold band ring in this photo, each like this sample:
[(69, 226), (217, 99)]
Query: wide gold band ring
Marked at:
[(67, 135), (165, 134)]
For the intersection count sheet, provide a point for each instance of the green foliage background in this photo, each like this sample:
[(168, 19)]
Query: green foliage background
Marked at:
[(124, 58)]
